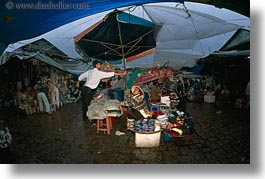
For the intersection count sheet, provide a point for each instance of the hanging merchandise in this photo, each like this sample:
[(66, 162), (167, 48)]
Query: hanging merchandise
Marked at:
[(155, 72), (145, 79)]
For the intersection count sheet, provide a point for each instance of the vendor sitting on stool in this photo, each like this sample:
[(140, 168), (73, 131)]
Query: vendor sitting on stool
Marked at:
[(138, 108)]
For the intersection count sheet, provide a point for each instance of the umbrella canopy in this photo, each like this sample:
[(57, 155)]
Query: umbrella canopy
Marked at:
[(117, 36)]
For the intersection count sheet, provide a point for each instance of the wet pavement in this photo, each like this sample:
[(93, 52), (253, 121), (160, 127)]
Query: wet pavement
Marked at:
[(63, 138)]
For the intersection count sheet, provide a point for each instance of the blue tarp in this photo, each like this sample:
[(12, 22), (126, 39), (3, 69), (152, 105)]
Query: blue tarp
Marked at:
[(2, 48), (197, 69), (129, 18), (23, 19)]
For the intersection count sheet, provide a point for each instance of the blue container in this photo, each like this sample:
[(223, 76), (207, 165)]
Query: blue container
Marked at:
[(166, 137), (116, 93)]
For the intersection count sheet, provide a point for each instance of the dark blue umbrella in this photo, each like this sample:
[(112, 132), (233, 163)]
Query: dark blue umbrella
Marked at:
[(118, 36)]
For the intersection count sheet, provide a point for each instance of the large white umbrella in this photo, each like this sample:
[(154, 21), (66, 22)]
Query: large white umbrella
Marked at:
[(183, 36)]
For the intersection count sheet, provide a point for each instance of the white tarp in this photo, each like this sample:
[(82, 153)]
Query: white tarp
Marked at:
[(184, 36), (231, 53), (74, 67), (178, 24)]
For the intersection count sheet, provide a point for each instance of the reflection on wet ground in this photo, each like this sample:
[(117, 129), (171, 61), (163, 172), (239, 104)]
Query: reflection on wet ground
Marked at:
[(64, 138)]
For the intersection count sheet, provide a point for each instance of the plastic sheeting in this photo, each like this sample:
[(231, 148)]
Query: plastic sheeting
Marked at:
[(192, 35), (177, 52), (98, 109), (42, 16), (73, 67)]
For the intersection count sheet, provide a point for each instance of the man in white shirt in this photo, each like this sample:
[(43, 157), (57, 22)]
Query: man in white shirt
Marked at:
[(93, 78)]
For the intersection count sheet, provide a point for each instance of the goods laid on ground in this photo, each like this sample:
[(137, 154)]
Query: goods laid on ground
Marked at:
[(173, 124)]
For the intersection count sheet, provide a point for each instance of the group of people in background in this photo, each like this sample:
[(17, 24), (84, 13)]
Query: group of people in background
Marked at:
[(180, 88), (47, 99), (44, 99)]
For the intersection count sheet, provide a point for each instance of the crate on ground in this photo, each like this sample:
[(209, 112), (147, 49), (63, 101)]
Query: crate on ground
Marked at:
[(240, 103), (150, 139), (209, 98)]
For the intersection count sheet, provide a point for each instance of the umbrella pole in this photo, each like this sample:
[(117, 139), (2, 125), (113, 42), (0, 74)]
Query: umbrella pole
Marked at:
[(124, 66), (123, 57), (122, 50), (124, 62)]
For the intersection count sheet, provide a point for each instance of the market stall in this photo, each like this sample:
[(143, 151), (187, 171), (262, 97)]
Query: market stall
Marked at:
[(36, 78), (166, 119)]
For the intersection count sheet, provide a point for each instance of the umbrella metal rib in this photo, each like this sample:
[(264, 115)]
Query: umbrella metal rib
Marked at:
[(132, 48)]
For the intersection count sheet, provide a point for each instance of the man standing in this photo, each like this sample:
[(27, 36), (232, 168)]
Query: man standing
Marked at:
[(93, 78), (182, 91)]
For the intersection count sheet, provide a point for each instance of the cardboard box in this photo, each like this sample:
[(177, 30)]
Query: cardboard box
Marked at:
[(165, 100), (209, 99)]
